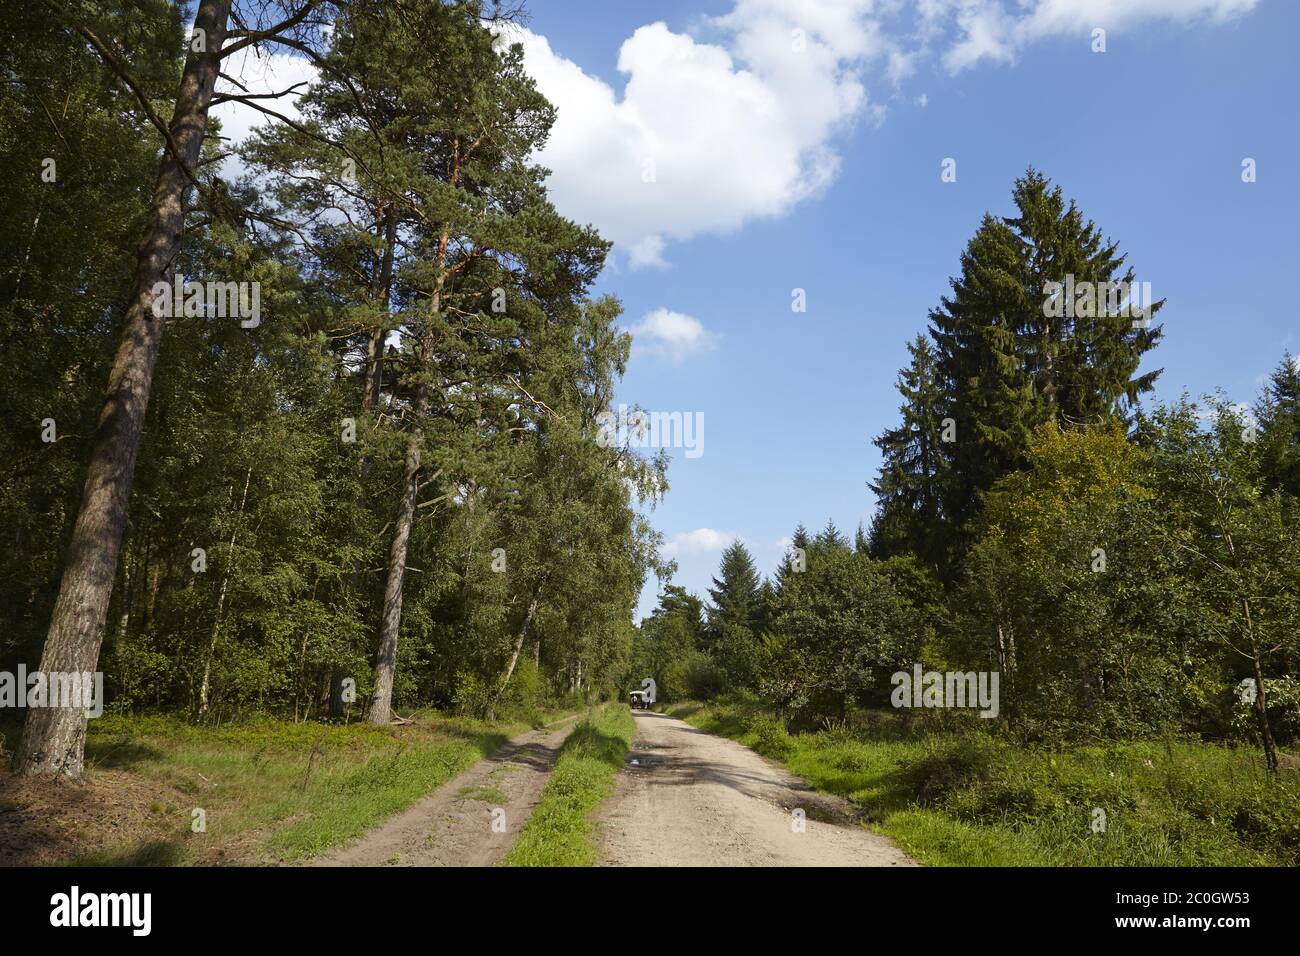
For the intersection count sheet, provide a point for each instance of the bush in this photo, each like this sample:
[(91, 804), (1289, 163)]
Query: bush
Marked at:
[(528, 695), (473, 694), (1283, 698), (703, 678), (771, 739), (951, 764)]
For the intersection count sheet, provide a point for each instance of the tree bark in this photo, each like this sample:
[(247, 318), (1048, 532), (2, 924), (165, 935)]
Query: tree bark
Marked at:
[(514, 656), (380, 289), (53, 741), (1261, 716), (381, 702)]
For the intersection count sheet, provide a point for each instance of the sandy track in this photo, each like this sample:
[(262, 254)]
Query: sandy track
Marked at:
[(452, 826), (688, 798)]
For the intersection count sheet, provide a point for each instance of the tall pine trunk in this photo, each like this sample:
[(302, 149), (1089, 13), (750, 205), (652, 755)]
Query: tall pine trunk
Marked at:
[(381, 702), (53, 741)]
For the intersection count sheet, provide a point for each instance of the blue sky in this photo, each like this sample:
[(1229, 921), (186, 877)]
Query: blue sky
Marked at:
[(1148, 137)]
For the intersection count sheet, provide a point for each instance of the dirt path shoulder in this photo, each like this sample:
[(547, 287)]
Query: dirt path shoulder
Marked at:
[(472, 819)]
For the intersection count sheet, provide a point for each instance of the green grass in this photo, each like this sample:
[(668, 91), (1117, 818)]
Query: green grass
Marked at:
[(973, 799), (560, 831), (488, 793), (276, 791)]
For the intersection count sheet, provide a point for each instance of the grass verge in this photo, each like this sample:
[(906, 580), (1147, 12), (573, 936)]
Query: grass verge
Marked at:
[(973, 799), (560, 831), (269, 791)]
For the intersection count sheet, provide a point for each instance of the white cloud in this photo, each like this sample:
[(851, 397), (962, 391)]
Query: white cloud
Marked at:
[(988, 30), (266, 73), (675, 334), (699, 541), (703, 137)]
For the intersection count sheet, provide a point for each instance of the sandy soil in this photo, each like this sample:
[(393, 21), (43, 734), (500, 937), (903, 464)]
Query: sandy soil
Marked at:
[(453, 825), (688, 798)]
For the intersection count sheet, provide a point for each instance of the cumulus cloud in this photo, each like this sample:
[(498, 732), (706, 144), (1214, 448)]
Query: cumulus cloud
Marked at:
[(675, 334), (702, 134), (698, 541), (702, 137)]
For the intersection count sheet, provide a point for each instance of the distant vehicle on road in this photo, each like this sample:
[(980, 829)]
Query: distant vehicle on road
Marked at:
[(644, 698)]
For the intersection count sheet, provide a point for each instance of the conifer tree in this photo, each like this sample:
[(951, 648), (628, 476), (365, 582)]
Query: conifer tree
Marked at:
[(1040, 325), (735, 591), (911, 471), (1278, 420)]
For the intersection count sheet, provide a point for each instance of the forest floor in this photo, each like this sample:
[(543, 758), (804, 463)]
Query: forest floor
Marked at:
[(160, 791), (688, 798)]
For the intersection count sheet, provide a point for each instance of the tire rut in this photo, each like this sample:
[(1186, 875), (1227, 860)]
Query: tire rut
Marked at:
[(472, 819)]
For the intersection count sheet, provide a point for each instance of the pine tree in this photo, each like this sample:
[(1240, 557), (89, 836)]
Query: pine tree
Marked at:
[(1082, 355), (495, 274), (1278, 417), (53, 741), (1013, 353), (735, 592), (911, 471)]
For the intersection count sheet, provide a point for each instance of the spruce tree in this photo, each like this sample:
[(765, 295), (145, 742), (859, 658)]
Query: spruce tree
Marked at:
[(1082, 355), (735, 590), (981, 373), (1278, 416), (830, 538), (911, 471), (1035, 329)]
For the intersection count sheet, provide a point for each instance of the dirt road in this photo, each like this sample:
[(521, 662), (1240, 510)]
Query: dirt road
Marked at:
[(453, 825), (687, 798)]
